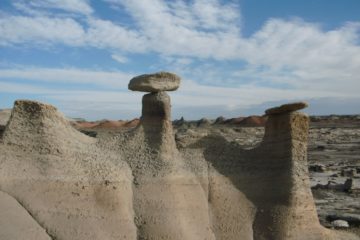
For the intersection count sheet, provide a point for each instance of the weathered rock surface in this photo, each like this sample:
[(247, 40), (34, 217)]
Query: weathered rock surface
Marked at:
[(16, 223), (157, 82), (70, 186), (291, 107), (138, 184), (169, 200)]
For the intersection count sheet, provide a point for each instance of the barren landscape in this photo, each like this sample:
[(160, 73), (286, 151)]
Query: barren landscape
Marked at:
[(151, 178), (333, 156)]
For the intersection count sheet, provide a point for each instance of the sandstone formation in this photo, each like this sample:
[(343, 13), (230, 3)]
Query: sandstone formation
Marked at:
[(70, 186), (161, 81), (266, 189), (16, 223), (138, 184), (286, 108), (169, 201)]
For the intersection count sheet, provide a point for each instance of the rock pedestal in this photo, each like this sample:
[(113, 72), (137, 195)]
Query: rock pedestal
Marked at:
[(168, 200), (156, 121), (289, 205), (156, 109)]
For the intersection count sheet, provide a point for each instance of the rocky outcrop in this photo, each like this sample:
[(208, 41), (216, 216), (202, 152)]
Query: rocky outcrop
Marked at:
[(264, 192), (137, 184), (41, 128), (69, 185)]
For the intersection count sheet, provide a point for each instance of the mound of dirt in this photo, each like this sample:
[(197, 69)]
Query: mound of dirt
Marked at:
[(253, 121), (132, 123), (108, 124), (234, 120), (83, 124)]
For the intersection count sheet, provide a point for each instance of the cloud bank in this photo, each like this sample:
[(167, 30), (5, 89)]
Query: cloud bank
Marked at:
[(283, 60)]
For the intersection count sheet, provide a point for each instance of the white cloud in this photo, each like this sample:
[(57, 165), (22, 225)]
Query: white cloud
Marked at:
[(180, 31), (47, 31), (12, 87), (106, 34), (298, 55), (105, 79), (190, 94), (213, 15), (119, 58), (36, 6), (40, 30)]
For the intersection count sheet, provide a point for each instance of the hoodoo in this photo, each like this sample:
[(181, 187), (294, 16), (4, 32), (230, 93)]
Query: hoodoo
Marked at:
[(169, 201), (264, 193)]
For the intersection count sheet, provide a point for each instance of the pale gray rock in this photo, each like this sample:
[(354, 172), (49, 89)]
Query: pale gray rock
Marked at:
[(351, 218), (340, 224), (156, 82), (290, 107)]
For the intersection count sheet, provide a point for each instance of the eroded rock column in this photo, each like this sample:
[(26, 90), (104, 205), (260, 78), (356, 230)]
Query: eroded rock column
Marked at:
[(156, 108), (169, 201), (289, 211)]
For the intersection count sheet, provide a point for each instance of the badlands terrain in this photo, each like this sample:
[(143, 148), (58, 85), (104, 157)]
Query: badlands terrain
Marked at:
[(280, 176), (333, 155)]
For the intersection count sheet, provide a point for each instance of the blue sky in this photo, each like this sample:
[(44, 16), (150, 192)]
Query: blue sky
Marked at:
[(235, 57)]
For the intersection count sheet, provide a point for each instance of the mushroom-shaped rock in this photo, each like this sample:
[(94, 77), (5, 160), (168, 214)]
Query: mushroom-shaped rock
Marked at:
[(156, 82), (290, 107)]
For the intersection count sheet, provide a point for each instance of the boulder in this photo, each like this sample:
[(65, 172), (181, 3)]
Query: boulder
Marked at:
[(340, 224), (317, 168), (348, 172), (351, 218), (290, 107), (156, 82)]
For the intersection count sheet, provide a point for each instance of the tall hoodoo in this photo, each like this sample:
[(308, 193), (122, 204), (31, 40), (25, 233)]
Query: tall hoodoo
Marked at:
[(289, 206), (165, 185), (156, 108)]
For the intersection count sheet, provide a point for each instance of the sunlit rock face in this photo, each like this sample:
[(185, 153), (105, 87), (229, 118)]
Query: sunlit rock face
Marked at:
[(137, 184), (70, 186)]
